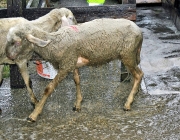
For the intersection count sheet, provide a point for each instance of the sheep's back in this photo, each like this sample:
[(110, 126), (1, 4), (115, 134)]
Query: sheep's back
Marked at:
[(99, 41), (106, 39), (6, 23)]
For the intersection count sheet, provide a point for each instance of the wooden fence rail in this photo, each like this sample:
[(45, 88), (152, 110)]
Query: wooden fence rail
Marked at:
[(82, 14)]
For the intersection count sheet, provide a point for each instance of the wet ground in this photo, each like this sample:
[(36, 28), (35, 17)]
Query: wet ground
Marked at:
[(155, 110)]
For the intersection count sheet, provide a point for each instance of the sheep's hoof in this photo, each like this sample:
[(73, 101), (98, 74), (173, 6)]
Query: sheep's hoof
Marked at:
[(30, 120), (126, 109), (76, 109)]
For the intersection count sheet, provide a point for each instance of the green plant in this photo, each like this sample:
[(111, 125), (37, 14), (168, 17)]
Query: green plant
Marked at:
[(6, 71), (3, 4)]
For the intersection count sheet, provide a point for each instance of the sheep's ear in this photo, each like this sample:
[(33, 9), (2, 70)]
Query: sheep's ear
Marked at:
[(65, 21), (37, 41)]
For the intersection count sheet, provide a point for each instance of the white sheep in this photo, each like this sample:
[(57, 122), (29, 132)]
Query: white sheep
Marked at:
[(50, 22), (5, 25), (91, 43)]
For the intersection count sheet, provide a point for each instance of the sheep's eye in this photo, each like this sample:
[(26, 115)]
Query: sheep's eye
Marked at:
[(12, 43), (70, 18)]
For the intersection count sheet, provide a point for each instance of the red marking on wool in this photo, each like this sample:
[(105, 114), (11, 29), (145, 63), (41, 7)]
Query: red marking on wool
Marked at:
[(74, 28)]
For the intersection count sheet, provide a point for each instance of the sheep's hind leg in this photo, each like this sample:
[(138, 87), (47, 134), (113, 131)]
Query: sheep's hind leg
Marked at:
[(80, 62), (137, 75), (77, 104)]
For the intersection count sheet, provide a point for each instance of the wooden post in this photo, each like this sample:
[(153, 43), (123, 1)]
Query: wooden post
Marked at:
[(16, 80), (15, 8)]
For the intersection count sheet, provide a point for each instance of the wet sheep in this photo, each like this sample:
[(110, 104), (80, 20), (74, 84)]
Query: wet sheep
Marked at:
[(91, 43), (50, 22)]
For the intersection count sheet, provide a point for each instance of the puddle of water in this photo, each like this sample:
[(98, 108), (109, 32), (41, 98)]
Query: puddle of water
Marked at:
[(170, 37), (158, 28)]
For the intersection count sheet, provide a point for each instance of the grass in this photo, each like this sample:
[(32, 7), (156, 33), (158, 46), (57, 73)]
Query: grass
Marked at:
[(3, 3), (6, 71)]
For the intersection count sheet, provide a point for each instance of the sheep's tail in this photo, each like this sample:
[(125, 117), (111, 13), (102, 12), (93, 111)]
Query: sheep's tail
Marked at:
[(138, 55), (138, 59)]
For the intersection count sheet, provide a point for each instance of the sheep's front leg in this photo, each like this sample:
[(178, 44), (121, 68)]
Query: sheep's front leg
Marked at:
[(47, 92), (25, 74), (77, 104)]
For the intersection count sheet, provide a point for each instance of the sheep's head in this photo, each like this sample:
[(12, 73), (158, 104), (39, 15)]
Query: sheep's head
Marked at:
[(13, 43), (61, 14), (20, 42), (70, 17)]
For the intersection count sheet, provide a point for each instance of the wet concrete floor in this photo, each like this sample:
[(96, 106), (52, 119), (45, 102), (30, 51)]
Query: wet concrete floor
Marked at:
[(155, 110)]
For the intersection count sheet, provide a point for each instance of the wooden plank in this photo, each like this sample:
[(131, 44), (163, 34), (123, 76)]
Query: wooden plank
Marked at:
[(10, 8), (128, 1), (131, 2), (15, 7), (84, 14), (3, 13), (147, 1)]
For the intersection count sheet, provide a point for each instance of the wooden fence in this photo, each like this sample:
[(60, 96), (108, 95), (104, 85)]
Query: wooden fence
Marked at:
[(16, 8)]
